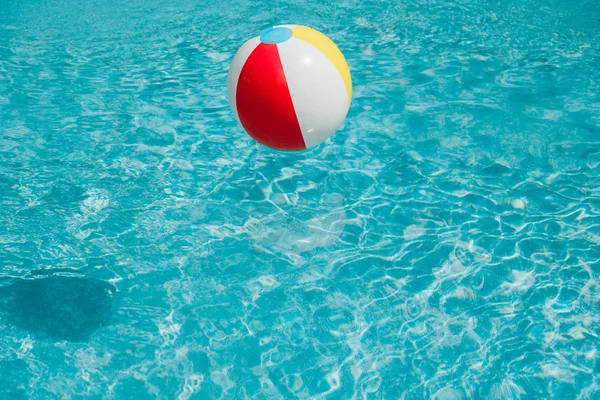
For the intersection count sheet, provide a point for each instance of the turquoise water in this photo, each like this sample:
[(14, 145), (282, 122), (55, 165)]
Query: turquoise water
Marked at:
[(444, 244)]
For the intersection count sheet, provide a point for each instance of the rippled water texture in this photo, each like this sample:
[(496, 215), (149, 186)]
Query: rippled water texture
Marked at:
[(444, 244)]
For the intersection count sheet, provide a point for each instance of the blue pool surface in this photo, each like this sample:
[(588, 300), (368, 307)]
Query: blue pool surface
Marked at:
[(444, 244)]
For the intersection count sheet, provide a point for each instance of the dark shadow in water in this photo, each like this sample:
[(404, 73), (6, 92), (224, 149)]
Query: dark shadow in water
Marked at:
[(63, 308), (13, 379)]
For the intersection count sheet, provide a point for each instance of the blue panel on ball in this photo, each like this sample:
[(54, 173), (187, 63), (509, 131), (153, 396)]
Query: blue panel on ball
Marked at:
[(276, 35)]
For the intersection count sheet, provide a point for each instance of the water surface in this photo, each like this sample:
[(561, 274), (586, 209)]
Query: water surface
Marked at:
[(444, 244)]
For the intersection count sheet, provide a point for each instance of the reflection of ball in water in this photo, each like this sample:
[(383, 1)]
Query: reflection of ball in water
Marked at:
[(301, 231), (290, 88)]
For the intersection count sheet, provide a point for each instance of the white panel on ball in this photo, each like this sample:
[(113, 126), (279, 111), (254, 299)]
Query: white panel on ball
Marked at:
[(318, 90)]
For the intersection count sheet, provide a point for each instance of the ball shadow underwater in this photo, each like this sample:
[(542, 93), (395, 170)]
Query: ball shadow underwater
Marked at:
[(57, 307)]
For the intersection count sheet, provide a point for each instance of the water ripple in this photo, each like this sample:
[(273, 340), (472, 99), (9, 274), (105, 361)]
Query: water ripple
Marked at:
[(444, 244)]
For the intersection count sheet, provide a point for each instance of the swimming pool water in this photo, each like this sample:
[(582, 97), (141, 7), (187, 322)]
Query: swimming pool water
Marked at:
[(444, 244)]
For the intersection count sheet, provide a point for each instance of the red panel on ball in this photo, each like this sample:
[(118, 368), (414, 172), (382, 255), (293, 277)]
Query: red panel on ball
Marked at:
[(264, 103)]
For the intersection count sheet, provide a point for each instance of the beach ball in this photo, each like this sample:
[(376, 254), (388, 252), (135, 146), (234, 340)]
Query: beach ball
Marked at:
[(289, 88)]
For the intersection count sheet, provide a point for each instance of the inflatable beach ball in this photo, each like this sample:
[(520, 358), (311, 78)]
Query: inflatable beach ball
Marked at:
[(290, 88)]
